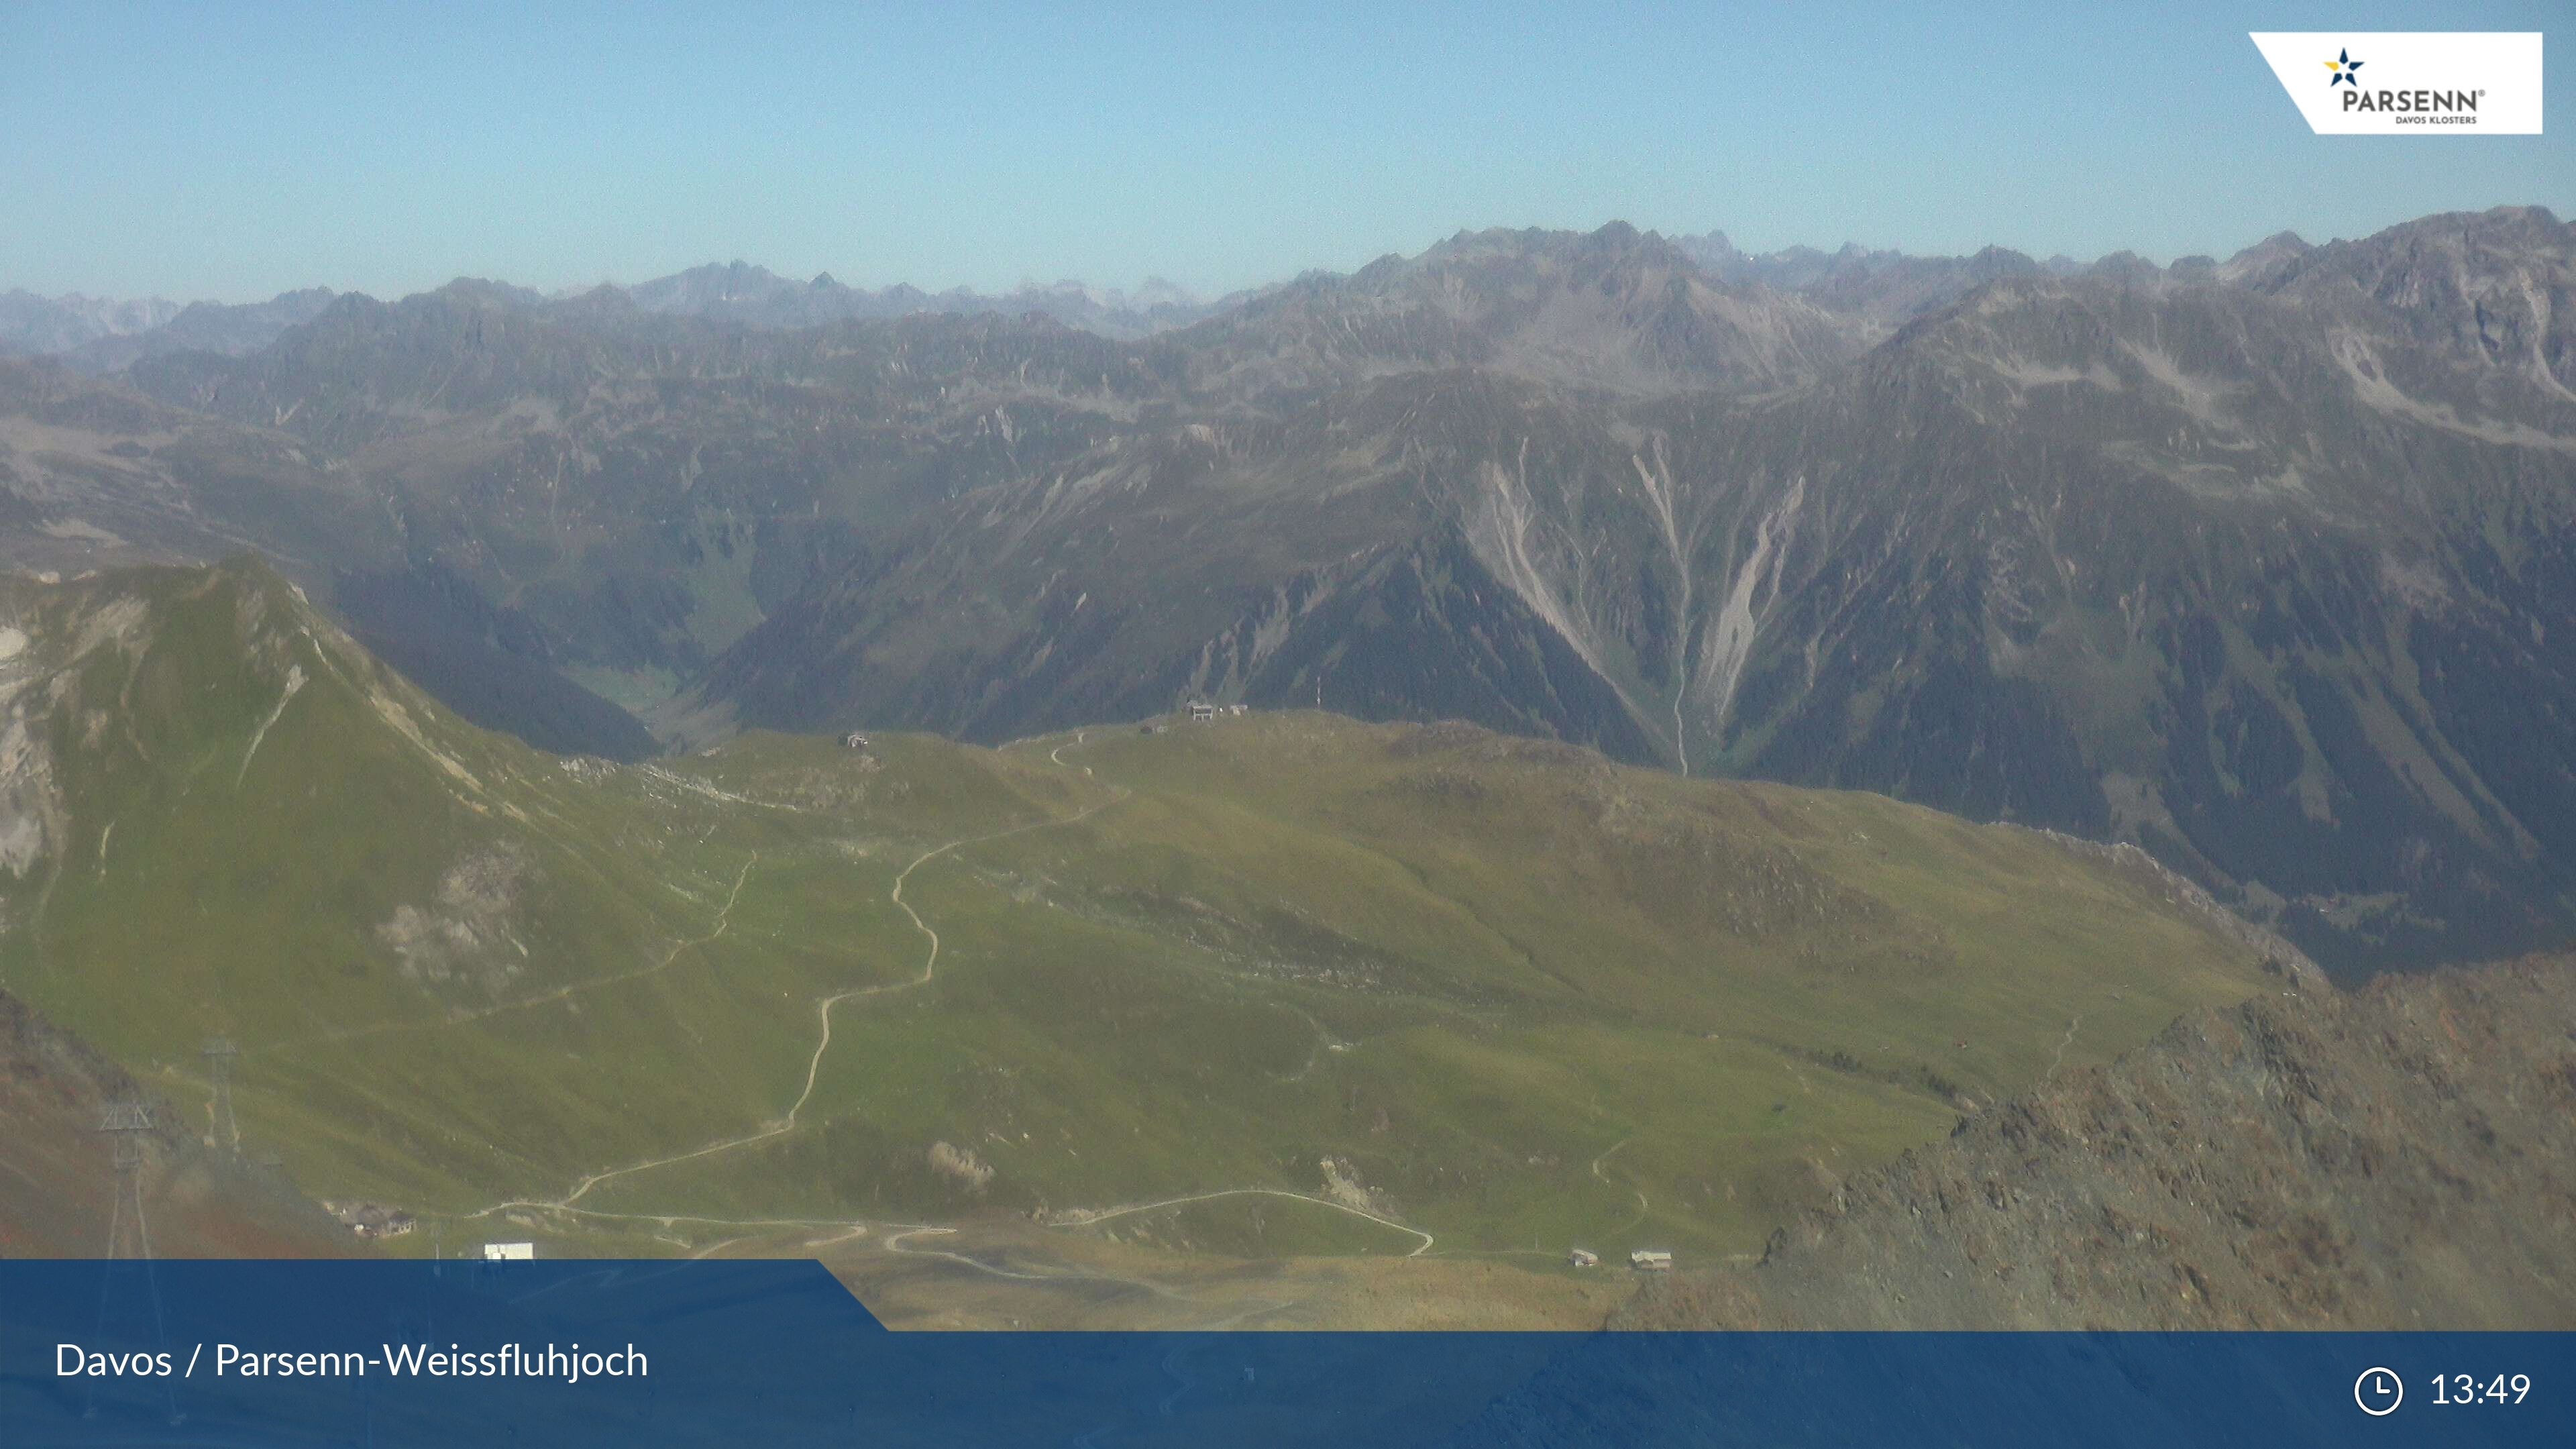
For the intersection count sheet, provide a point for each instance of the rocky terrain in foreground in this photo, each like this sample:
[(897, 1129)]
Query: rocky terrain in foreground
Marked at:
[(57, 1183), (2402, 1156)]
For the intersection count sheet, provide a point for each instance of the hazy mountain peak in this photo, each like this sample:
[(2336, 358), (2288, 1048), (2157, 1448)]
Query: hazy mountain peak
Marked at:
[(2266, 261), (1709, 246), (2128, 266), (34, 324), (484, 291), (604, 300), (748, 295)]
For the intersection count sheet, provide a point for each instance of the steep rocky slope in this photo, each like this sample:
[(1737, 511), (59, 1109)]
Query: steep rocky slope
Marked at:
[(2399, 1157), (94, 474), (639, 489)]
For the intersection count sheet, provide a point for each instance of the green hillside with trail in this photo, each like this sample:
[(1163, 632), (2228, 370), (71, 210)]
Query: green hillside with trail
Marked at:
[(1278, 983)]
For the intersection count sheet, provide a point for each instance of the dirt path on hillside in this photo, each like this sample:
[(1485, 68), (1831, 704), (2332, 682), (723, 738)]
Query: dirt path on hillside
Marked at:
[(823, 1007), (1643, 1207), (1253, 1308), (1084, 1219), (1056, 756), (781, 1126), (2059, 1060)]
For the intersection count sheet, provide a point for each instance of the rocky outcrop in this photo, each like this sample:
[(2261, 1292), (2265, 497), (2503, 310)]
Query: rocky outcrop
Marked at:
[(2403, 1156)]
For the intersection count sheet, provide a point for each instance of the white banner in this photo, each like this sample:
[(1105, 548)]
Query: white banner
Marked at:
[(2431, 84)]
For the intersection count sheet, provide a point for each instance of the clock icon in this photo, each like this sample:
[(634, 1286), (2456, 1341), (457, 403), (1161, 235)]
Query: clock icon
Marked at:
[(2378, 1392)]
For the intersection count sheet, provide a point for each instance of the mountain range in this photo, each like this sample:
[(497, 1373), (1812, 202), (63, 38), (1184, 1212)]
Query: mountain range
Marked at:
[(2262, 564), (104, 335), (101, 334)]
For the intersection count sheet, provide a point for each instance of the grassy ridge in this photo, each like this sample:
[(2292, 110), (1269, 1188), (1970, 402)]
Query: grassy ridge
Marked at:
[(1493, 990)]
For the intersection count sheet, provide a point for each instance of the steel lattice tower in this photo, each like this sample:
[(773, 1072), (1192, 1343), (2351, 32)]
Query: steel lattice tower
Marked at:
[(219, 1053), (129, 1237), (124, 1123)]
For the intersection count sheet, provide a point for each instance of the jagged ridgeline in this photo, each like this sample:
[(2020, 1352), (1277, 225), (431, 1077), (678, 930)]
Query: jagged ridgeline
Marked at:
[(1447, 984)]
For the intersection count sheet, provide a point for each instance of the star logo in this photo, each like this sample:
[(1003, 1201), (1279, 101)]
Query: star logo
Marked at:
[(2346, 70)]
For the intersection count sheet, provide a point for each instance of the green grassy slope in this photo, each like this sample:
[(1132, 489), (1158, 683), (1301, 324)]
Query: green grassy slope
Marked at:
[(1492, 992)]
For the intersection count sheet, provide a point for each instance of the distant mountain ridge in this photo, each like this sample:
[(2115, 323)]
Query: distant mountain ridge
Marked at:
[(103, 335), (107, 335), (758, 297), (31, 325), (205, 327)]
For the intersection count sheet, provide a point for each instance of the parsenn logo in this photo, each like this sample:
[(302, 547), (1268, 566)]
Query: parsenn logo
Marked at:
[(2344, 70), (2443, 84)]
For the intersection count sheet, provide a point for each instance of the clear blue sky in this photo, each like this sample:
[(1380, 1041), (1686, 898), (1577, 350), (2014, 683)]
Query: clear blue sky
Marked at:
[(231, 151)]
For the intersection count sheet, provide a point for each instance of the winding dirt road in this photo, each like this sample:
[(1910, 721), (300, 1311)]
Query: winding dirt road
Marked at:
[(1088, 1219), (1643, 1207), (823, 1007)]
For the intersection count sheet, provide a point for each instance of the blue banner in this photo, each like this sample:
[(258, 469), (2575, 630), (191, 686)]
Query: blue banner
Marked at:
[(644, 1354)]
